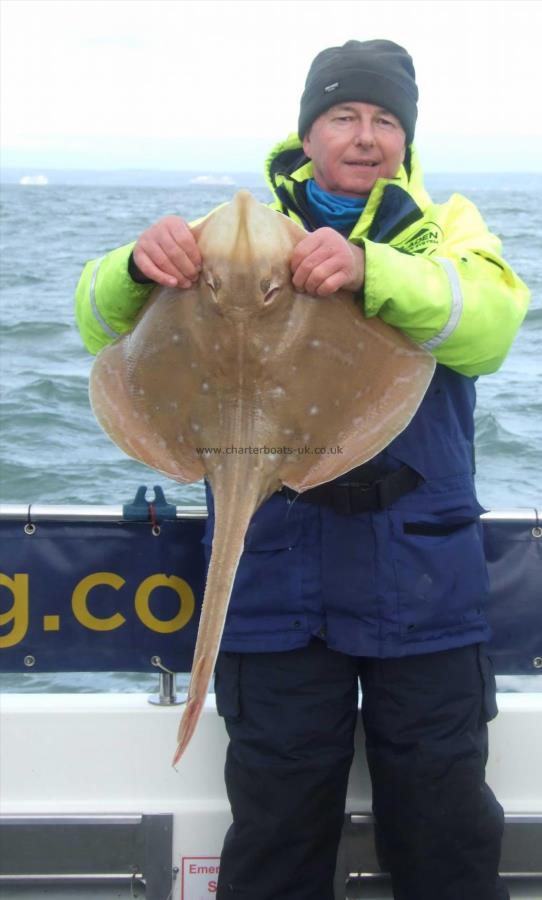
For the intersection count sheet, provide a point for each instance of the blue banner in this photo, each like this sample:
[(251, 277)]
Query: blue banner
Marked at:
[(108, 596), (91, 596)]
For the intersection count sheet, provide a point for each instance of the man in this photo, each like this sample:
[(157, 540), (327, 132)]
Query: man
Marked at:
[(379, 577)]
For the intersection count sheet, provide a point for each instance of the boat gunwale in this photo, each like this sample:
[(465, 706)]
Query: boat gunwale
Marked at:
[(108, 513)]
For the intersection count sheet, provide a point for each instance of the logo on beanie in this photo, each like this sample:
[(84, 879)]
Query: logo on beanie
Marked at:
[(331, 87)]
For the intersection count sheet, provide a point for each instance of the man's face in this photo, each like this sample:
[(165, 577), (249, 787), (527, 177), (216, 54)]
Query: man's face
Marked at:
[(352, 145)]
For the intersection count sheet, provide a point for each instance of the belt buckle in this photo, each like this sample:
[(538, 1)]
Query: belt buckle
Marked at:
[(369, 496), (342, 498)]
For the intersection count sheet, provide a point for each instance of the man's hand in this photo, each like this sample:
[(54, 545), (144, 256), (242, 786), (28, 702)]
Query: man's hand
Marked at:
[(168, 253), (324, 261)]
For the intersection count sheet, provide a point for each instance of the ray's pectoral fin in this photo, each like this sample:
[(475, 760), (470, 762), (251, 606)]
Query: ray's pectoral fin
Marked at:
[(127, 418), (363, 405)]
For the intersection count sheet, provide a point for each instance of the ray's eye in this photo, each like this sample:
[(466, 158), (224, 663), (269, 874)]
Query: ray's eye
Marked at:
[(269, 289), (212, 281)]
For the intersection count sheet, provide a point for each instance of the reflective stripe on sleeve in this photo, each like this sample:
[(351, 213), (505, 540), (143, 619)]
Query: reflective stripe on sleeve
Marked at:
[(97, 315), (456, 308)]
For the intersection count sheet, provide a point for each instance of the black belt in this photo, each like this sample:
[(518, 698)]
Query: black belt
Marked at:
[(356, 496)]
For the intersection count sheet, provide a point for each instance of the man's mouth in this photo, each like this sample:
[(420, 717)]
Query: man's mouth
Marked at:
[(362, 163)]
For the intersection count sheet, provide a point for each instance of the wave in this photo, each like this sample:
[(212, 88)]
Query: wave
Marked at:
[(31, 329), (491, 434)]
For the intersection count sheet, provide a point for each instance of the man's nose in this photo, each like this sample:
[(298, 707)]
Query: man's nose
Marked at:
[(364, 135)]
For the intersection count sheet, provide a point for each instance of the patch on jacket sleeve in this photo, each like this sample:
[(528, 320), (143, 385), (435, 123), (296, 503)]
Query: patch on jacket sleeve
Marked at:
[(428, 236)]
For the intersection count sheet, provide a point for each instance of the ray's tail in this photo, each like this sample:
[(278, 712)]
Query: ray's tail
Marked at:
[(231, 522)]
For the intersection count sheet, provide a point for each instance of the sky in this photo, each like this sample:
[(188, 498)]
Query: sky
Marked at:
[(211, 86)]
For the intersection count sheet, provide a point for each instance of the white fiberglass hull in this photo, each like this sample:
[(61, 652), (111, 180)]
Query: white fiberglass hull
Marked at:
[(84, 755)]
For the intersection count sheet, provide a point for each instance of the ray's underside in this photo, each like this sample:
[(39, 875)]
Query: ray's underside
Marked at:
[(244, 382)]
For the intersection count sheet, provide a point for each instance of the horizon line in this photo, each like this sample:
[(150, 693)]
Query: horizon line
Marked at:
[(216, 171)]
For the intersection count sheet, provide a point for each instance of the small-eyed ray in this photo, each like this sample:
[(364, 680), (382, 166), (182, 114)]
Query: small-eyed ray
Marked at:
[(241, 360)]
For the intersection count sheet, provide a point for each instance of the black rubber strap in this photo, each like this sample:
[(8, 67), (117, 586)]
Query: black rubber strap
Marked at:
[(352, 496)]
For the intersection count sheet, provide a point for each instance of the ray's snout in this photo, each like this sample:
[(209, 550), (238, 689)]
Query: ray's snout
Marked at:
[(246, 251)]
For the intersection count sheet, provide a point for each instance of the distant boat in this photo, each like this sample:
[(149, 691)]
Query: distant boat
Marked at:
[(34, 179), (212, 179)]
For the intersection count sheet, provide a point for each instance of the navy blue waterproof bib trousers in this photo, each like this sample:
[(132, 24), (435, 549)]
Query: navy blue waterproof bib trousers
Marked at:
[(291, 716)]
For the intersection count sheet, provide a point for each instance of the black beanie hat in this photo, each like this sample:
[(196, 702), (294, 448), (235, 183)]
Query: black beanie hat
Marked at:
[(378, 72)]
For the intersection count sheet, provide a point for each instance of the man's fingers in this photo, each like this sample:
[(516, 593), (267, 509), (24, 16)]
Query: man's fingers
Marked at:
[(325, 255), (305, 265), (331, 285), (145, 264), (159, 258), (315, 269), (321, 273), (162, 262), (151, 270), (183, 238), (306, 248), (168, 253), (178, 258)]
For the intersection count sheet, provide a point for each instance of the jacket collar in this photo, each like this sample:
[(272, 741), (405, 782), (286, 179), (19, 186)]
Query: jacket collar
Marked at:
[(393, 204)]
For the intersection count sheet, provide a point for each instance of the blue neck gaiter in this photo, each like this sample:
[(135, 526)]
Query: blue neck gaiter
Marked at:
[(340, 213)]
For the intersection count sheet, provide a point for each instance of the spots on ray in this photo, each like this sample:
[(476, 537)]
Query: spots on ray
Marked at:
[(277, 392)]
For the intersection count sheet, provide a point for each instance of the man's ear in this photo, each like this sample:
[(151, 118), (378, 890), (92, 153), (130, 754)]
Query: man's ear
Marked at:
[(307, 143)]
